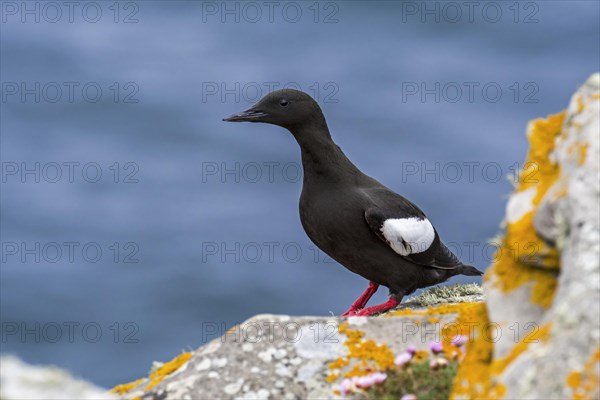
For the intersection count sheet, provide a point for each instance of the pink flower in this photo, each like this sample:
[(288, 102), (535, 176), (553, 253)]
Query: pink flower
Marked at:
[(364, 381), (379, 377), (403, 359), (436, 347), (349, 385), (408, 397), (346, 386), (412, 350), (459, 340), (369, 380)]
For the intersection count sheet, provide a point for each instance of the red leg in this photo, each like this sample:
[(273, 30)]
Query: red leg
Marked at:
[(362, 299), (391, 303)]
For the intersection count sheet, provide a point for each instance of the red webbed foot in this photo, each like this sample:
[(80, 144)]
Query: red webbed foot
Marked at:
[(362, 300), (379, 308)]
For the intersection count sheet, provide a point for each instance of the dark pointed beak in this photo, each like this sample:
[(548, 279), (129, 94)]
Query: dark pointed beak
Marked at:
[(250, 115)]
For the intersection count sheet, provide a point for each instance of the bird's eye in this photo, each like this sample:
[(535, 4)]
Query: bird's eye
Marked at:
[(284, 103)]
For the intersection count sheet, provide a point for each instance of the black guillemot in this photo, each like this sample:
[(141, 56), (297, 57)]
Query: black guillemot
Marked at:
[(357, 221)]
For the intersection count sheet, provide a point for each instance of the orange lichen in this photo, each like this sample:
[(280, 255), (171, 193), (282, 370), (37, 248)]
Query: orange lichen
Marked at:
[(232, 330), (580, 104), (365, 356), (166, 369), (584, 384), (574, 379), (339, 363), (155, 377), (367, 350), (497, 391), (472, 379), (126, 387), (583, 149), (371, 357), (475, 377), (466, 317), (523, 256), (420, 356), (541, 334)]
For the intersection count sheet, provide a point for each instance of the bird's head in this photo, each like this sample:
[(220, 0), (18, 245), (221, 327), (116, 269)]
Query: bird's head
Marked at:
[(287, 108)]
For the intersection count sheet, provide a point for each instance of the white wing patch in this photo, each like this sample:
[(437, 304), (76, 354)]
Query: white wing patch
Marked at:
[(408, 235)]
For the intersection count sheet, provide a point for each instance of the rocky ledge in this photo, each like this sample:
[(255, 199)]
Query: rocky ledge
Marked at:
[(283, 357), (536, 335)]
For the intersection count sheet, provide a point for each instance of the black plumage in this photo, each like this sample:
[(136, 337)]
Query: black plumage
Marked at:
[(356, 220)]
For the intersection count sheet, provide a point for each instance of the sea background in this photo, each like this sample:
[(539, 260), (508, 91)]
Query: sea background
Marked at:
[(204, 214)]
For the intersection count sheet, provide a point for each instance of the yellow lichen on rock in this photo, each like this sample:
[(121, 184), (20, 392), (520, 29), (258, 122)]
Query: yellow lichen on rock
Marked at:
[(523, 256), (371, 356), (475, 378), (550, 248), (468, 316), (585, 383), (156, 376), (364, 356), (472, 379), (583, 149), (126, 387), (536, 336), (166, 369)]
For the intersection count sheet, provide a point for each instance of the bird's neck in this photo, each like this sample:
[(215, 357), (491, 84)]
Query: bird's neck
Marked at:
[(322, 159)]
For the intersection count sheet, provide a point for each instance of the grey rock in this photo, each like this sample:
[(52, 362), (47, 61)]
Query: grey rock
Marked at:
[(287, 358), (572, 223), (21, 381)]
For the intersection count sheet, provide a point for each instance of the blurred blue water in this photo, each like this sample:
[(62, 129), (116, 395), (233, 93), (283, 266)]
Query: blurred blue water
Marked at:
[(177, 214)]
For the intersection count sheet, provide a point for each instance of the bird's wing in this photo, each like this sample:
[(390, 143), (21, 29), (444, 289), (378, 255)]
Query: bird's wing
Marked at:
[(409, 233)]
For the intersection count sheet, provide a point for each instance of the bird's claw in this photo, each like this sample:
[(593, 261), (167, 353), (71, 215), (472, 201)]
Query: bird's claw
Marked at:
[(357, 313), (364, 313), (350, 313)]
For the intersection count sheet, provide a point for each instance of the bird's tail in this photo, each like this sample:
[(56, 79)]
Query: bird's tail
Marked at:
[(470, 270)]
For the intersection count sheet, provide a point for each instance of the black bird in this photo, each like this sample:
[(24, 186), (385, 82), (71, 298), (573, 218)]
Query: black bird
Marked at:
[(356, 220)]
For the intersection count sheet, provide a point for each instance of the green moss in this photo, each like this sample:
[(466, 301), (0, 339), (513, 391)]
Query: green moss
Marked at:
[(446, 294), (417, 379)]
